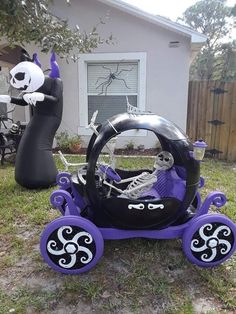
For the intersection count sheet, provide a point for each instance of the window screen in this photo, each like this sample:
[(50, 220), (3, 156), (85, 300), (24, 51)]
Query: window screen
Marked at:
[(108, 85)]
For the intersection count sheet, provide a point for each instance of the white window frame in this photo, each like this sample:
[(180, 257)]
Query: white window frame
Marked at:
[(86, 58), (5, 66)]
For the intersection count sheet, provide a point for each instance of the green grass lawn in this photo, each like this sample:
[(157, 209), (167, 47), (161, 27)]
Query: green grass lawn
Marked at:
[(133, 276)]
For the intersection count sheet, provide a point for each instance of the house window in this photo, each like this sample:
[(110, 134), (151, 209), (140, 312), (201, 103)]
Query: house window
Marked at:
[(105, 82), (108, 86), (4, 87)]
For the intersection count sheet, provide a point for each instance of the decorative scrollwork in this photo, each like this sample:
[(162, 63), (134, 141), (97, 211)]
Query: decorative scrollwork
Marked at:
[(215, 198), (64, 180), (201, 182), (57, 199), (155, 206), (60, 199), (219, 200)]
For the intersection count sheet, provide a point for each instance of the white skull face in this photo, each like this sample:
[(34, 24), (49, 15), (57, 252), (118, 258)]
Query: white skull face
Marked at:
[(20, 78), (164, 161), (26, 76), (14, 128)]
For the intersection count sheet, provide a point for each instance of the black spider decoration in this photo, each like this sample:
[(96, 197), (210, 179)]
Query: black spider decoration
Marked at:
[(111, 77)]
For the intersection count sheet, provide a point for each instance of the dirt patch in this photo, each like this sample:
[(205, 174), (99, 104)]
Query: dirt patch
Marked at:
[(131, 277), (205, 305)]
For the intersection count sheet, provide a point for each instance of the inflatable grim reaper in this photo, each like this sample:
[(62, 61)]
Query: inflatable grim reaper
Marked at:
[(35, 167)]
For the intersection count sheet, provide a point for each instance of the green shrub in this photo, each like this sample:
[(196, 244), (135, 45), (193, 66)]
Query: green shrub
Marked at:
[(66, 143), (130, 145)]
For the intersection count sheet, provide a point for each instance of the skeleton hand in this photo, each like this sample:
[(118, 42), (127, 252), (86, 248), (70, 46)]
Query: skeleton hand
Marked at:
[(5, 98), (32, 98)]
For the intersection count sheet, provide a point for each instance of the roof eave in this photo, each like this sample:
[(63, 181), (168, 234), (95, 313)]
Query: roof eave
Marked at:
[(158, 20)]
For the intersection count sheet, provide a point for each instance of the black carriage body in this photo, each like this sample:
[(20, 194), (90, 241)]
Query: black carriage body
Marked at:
[(119, 212)]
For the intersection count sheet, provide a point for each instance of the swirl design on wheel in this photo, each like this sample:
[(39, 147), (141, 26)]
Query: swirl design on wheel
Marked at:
[(71, 244), (71, 247), (211, 242)]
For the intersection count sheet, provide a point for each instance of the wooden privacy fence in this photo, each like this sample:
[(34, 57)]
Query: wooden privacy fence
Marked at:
[(212, 116)]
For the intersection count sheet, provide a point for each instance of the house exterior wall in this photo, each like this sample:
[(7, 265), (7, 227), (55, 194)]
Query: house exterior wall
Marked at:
[(167, 69)]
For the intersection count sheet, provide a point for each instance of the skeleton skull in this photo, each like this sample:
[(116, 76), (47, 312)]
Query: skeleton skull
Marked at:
[(14, 128), (27, 76), (164, 161)]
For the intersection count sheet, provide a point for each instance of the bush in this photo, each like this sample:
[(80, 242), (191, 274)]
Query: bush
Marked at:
[(130, 145), (67, 143)]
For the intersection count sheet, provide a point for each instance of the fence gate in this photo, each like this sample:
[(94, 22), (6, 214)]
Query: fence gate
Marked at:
[(212, 116)]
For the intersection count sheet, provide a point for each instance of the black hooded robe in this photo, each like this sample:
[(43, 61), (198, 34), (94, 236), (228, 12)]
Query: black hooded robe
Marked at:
[(35, 167)]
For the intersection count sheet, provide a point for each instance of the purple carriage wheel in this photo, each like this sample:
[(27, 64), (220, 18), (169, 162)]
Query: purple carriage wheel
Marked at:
[(71, 245), (209, 240)]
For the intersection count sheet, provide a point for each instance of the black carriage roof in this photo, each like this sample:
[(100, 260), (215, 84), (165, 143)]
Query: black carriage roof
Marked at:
[(171, 138), (160, 126)]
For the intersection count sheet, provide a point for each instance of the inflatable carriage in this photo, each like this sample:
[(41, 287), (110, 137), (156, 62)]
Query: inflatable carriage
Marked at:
[(35, 167), (101, 202)]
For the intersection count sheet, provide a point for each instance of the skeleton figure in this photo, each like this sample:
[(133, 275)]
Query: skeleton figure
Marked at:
[(144, 182), (164, 161), (35, 167)]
